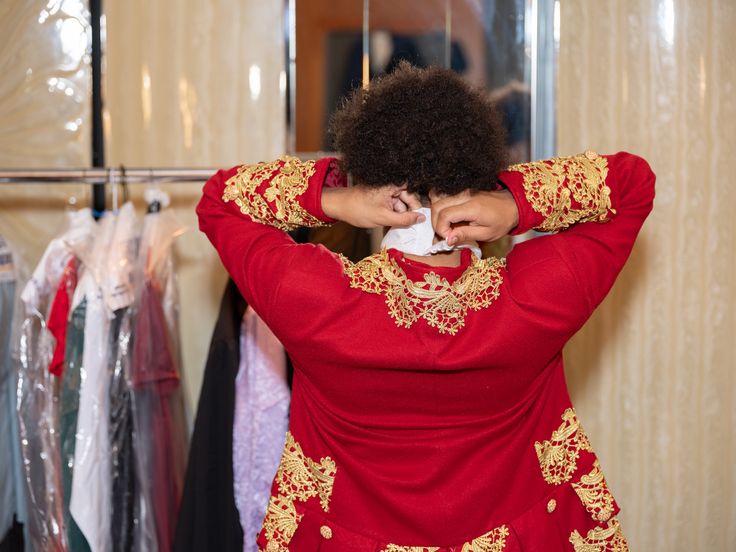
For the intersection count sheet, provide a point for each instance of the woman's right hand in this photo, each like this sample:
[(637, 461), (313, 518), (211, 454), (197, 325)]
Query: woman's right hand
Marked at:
[(366, 207)]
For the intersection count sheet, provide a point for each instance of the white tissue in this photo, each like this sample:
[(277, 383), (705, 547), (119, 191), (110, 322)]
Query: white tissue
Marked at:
[(417, 239)]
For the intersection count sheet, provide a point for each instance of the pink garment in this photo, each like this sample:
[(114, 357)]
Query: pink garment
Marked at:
[(262, 400)]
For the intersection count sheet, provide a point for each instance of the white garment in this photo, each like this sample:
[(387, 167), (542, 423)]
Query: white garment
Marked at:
[(261, 419), (91, 504), (40, 289), (417, 239)]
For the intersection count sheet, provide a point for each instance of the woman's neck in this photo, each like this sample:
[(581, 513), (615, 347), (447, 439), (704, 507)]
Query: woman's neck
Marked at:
[(445, 259)]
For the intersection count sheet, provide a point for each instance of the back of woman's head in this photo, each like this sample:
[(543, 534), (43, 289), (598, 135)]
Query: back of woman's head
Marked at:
[(427, 128)]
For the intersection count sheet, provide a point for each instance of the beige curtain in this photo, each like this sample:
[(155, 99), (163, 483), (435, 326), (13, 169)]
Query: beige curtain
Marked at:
[(652, 373)]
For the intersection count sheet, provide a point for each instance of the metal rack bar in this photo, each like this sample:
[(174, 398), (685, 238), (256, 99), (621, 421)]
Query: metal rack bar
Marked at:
[(103, 175)]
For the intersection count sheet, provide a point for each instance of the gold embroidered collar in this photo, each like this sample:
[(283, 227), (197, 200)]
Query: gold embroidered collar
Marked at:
[(441, 304)]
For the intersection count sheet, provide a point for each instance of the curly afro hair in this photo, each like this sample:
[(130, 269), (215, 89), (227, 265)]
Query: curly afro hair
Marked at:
[(427, 128)]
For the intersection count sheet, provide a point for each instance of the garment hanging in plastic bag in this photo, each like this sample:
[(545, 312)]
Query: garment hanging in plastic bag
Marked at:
[(124, 484), (12, 494), (68, 411), (36, 387), (37, 424), (106, 284), (160, 426)]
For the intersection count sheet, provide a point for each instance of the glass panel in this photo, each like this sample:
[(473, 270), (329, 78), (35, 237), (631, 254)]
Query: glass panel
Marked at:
[(504, 46), (45, 85)]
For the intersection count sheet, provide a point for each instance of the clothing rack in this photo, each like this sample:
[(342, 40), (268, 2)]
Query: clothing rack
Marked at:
[(117, 175)]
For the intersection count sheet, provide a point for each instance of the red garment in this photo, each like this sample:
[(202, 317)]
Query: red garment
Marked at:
[(408, 437), (160, 441), (60, 313)]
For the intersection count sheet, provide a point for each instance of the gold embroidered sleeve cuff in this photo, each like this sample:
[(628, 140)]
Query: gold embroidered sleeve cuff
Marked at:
[(564, 191), (279, 193)]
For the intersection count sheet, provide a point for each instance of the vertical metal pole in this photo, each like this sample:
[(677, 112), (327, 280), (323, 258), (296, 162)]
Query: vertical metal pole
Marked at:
[(98, 141)]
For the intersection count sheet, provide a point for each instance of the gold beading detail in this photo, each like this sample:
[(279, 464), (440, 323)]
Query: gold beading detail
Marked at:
[(601, 539), (594, 494), (441, 304), (558, 457), (552, 185), (298, 478), (288, 178)]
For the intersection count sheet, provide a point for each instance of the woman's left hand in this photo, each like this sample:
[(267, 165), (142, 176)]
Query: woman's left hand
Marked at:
[(475, 216)]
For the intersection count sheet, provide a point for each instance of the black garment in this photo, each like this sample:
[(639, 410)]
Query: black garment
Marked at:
[(208, 517), (124, 496)]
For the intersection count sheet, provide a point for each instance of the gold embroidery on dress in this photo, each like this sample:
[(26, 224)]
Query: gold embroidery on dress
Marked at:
[(289, 179), (601, 539), (558, 457), (493, 541), (441, 304), (594, 494), (552, 185), (298, 478)]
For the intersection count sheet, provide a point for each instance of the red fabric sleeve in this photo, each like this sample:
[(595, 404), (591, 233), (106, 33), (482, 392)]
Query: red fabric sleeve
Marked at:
[(245, 211), (59, 314), (597, 204)]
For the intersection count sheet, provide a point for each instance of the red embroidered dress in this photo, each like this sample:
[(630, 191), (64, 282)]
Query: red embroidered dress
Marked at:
[(429, 408)]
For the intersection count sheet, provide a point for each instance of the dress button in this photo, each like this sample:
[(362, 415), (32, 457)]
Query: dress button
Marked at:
[(326, 532), (551, 505), (272, 546)]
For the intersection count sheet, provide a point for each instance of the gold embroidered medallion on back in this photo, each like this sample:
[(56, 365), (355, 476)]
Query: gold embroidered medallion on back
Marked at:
[(441, 304)]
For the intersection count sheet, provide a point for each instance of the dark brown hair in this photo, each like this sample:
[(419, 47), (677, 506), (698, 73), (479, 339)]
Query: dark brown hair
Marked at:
[(425, 127)]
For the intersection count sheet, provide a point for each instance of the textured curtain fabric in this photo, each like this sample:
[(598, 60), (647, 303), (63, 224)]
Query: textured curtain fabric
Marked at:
[(652, 374)]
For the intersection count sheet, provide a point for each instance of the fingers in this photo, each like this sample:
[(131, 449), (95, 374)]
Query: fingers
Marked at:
[(469, 233), (407, 218), (410, 200), (438, 206), (445, 217), (398, 205)]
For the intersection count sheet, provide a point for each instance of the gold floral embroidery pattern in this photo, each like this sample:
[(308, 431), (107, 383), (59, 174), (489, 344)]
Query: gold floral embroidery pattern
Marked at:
[(558, 457), (289, 179), (493, 541), (601, 539), (441, 304), (594, 494), (298, 478), (552, 185)]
